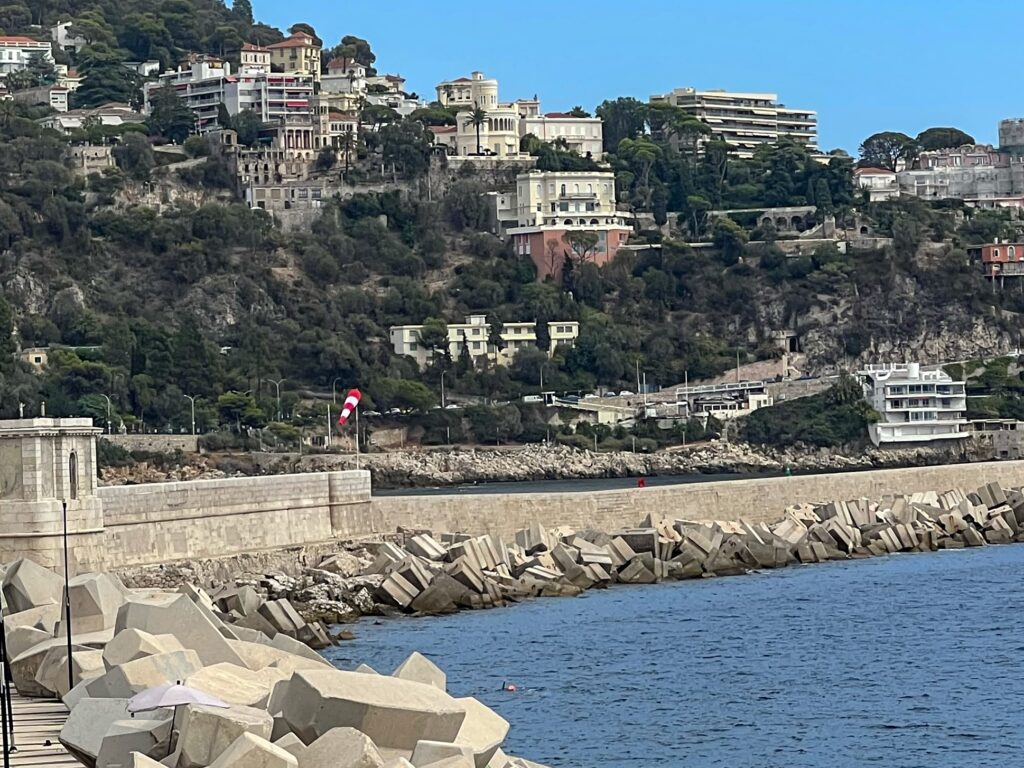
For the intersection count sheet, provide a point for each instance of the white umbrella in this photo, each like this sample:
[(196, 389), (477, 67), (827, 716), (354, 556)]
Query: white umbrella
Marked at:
[(170, 696)]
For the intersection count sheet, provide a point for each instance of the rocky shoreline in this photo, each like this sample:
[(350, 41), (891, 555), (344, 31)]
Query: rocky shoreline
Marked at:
[(456, 465), (247, 640)]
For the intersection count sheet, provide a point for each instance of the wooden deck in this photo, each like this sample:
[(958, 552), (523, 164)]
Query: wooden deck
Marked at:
[(36, 722)]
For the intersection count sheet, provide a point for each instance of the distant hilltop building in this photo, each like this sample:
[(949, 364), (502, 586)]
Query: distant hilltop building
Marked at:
[(746, 120), (915, 405), (980, 174), (474, 336), (505, 124)]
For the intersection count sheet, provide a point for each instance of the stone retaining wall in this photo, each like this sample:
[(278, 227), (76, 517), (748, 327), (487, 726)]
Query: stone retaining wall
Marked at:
[(155, 443)]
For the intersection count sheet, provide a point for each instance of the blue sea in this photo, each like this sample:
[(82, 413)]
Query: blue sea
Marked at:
[(907, 661)]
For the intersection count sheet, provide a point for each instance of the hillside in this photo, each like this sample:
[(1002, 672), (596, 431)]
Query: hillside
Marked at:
[(161, 283)]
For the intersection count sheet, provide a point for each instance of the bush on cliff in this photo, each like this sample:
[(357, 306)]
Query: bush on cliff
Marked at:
[(838, 416)]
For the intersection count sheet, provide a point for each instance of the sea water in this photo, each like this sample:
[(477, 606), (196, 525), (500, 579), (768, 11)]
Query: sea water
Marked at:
[(902, 661)]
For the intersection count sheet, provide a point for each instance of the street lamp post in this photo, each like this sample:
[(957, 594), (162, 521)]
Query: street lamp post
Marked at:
[(67, 596), (107, 397), (277, 388), (442, 387), (334, 391), (192, 400)]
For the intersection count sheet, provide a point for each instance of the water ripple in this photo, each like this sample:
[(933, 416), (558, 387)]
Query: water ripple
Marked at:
[(897, 661)]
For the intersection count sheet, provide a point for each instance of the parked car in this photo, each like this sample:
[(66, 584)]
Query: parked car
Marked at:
[(533, 399), (609, 394), (371, 413), (393, 411), (571, 398), (590, 396), (453, 407), (625, 393)]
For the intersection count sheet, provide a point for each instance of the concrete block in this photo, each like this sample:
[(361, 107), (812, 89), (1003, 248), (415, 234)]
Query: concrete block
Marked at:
[(206, 732), (85, 665), (141, 735), (251, 751), (636, 572), (394, 713), (126, 680), (20, 639), (131, 644), (640, 539), (293, 647), (95, 598), (432, 752), (419, 669), (82, 734), (292, 744), (26, 585), (342, 747), (397, 590), (238, 685), (533, 539), (181, 617), (483, 730), (42, 658), (426, 546), (282, 616)]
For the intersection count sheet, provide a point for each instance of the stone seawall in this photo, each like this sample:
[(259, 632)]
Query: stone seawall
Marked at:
[(165, 522), (753, 500), (155, 443)]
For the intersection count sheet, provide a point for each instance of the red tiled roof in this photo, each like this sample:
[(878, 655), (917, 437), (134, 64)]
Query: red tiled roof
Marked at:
[(18, 39), (557, 114), (251, 47), (443, 129), (873, 171), (72, 73), (395, 78), (298, 40), (462, 80)]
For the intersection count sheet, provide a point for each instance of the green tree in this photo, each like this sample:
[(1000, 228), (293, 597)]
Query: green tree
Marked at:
[(242, 10), (105, 79), (623, 118), (730, 238), (578, 111), (583, 244), (248, 125), (224, 117), (135, 156), (239, 409), (887, 149), (405, 145), (169, 116), (942, 138), (434, 335), (477, 117), (7, 343)]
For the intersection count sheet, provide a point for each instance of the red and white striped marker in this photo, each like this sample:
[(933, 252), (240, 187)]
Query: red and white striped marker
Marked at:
[(354, 396)]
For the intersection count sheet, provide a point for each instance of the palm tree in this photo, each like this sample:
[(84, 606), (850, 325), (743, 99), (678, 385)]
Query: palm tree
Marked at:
[(348, 146), (478, 117)]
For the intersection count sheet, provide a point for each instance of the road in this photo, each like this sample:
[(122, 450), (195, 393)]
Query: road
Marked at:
[(587, 485)]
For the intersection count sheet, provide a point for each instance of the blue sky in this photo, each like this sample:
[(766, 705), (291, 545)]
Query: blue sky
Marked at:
[(865, 66)]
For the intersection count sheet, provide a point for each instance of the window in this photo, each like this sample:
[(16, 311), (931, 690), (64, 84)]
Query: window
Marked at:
[(73, 474), (1011, 252)]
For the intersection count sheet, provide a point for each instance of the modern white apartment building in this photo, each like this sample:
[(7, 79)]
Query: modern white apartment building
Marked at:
[(206, 82), (548, 205), (16, 53), (915, 405), (745, 120), (475, 333)]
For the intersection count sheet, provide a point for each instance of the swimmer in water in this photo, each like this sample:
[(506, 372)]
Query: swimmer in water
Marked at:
[(509, 687)]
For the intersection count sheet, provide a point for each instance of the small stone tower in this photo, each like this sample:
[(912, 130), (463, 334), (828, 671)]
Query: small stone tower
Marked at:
[(44, 462)]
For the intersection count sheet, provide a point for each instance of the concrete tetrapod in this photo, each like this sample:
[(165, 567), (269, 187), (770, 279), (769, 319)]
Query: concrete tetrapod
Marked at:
[(205, 732), (394, 713), (250, 751), (342, 748)]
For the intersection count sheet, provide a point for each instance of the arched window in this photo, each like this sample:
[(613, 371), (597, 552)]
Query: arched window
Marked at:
[(1011, 252), (563, 189), (568, 222), (576, 188), (995, 253), (73, 474)]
